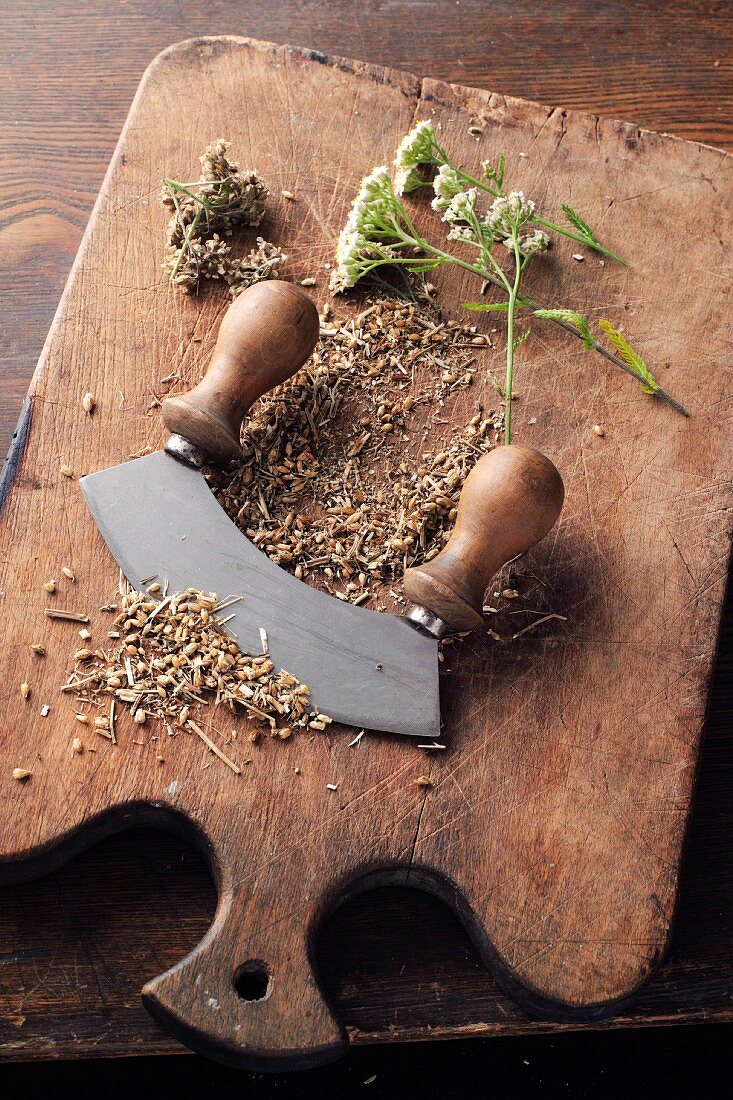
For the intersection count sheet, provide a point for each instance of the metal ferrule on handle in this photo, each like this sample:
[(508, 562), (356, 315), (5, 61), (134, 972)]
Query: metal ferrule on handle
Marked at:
[(185, 451), (427, 623)]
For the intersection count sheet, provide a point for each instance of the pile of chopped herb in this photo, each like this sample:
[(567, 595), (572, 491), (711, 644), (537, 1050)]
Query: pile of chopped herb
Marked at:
[(338, 482), (173, 658)]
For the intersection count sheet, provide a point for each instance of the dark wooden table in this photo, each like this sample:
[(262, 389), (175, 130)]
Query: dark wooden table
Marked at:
[(76, 947)]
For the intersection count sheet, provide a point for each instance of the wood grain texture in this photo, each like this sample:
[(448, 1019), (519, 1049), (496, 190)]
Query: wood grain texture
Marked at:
[(610, 774), (554, 830), (691, 983)]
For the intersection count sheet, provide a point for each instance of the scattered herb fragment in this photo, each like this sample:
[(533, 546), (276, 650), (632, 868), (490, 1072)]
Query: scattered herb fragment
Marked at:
[(323, 488)]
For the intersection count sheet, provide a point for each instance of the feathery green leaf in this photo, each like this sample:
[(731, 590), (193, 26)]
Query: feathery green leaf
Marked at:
[(579, 223), (647, 381), (569, 317), (520, 339)]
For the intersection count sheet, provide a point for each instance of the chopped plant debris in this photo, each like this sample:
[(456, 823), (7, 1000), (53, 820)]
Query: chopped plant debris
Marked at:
[(337, 482), (174, 658)]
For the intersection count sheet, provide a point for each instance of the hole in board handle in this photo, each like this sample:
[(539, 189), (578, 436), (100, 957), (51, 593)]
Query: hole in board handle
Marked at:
[(252, 981)]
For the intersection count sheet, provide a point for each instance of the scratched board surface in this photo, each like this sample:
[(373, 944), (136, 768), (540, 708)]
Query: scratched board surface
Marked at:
[(555, 821)]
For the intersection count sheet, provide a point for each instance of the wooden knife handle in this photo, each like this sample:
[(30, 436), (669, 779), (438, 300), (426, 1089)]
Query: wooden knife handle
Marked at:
[(510, 500), (267, 333)]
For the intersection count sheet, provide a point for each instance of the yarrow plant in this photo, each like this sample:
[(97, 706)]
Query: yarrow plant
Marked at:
[(380, 233)]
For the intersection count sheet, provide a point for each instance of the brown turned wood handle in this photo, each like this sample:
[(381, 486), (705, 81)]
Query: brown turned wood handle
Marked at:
[(510, 500), (267, 333)]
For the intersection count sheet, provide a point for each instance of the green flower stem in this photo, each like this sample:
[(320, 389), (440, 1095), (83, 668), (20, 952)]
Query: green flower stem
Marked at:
[(476, 183), (189, 232), (204, 205), (482, 272), (518, 267), (486, 252), (522, 302), (412, 239), (576, 237), (186, 241), (443, 158), (660, 393), (175, 186)]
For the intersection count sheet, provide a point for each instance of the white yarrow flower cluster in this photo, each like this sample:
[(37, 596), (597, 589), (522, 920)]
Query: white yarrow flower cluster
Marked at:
[(446, 186), (355, 249), (415, 149), (529, 243), (509, 212), (372, 192), (462, 207), (462, 233)]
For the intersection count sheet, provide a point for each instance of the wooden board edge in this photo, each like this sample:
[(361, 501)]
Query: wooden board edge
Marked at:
[(16, 449), (529, 997), (444, 93), (49, 856), (163, 1045), (400, 79), (517, 1028), (14, 458)]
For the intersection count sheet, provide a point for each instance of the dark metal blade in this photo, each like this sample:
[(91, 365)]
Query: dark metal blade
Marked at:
[(159, 517)]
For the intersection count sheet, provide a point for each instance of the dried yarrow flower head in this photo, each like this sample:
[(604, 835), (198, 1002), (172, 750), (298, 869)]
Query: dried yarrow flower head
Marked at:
[(232, 196), (261, 263), (208, 211), (212, 259)]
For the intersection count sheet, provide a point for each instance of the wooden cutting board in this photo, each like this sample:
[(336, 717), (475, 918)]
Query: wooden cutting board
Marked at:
[(557, 816)]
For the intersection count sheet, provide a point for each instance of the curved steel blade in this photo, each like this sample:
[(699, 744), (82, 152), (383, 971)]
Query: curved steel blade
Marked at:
[(159, 517)]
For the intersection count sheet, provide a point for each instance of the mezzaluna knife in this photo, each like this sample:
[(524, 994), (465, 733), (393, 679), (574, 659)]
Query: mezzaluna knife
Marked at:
[(375, 670)]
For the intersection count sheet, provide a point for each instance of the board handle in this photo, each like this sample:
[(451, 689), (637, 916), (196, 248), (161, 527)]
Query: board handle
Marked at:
[(510, 500), (247, 994), (266, 335)]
